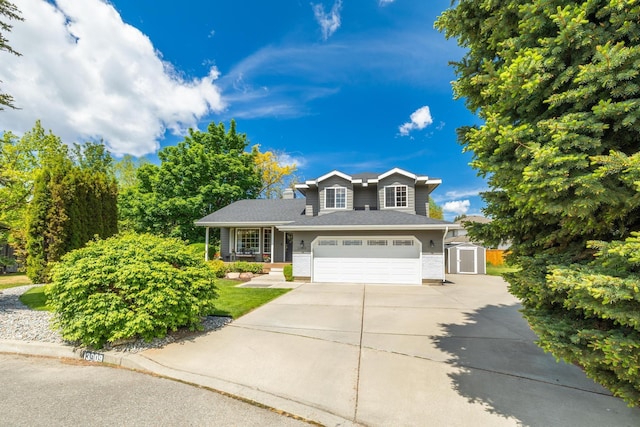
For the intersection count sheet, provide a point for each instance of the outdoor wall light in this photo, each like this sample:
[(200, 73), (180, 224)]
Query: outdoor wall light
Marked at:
[(432, 244), (302, 244)]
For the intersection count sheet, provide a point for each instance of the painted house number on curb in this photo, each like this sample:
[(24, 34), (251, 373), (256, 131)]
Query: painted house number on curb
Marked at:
[(92, 356)]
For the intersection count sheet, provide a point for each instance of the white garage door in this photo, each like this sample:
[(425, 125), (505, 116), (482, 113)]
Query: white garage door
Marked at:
[(367, 260)]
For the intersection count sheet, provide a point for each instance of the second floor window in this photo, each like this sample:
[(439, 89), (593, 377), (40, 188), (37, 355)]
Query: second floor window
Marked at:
[(335, 198), (395, 196)]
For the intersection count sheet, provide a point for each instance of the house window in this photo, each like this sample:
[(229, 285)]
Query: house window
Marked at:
[(335, 198), (395, 196), (327, 243), (248, 241), (352, 243), (266, 241), (403, 243)]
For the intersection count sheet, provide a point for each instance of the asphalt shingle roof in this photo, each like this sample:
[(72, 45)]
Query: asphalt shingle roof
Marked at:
[(375, 217), (257, 210)]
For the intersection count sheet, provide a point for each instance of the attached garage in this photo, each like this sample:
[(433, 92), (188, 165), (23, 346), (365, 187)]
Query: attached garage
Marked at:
[(372, 259)]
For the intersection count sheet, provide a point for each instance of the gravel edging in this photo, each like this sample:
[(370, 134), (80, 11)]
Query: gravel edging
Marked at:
[(19, 322)]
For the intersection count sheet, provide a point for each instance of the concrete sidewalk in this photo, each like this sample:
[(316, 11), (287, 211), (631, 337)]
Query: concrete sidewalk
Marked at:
[(455, 355)]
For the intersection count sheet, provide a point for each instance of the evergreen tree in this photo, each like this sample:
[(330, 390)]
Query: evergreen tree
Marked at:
[(557, 85)]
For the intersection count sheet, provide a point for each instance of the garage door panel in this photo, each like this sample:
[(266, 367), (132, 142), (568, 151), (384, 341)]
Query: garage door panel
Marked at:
[(367, 259), (367, 270)]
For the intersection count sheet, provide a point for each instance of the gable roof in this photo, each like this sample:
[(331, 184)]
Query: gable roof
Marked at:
[(255, 212), (369, 178)]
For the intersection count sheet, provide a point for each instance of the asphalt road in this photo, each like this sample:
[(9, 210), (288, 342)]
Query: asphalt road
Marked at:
[(49, 392)]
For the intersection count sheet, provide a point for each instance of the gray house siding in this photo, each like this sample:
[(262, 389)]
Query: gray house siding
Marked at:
[(335, 181), (313, 200), (224, 242), (422, 200), (398, 179), (425, 238)]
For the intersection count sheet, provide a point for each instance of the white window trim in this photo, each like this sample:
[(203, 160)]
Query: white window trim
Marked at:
[(266, 231), (335, 188), (395, 186), (259, 240)]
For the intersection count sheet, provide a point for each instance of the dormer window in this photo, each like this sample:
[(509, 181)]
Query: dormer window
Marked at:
[(395, 196), (335, 198)]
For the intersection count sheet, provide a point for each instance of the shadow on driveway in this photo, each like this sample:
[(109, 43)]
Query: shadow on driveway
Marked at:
[(501, 368)]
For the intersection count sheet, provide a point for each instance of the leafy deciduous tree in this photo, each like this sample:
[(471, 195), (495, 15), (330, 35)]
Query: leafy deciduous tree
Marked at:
[(558, 86), (203, 173), (272, 172), (9, 11)]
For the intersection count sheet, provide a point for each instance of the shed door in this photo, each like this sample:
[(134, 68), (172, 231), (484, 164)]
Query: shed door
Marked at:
[(467, 261), (393, 260)]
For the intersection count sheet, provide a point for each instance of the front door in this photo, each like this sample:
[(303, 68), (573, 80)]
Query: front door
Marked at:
[(467, 261), (288, 247)]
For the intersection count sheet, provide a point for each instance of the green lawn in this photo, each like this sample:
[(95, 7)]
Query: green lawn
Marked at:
[(494, 270), (13, 279), (35, 299), (235, 302), (231, 301)]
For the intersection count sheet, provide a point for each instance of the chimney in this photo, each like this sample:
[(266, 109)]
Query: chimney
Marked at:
[(288, 194), (308, 210)]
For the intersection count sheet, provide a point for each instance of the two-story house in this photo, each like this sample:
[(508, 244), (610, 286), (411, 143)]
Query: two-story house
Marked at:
[(363, 228)]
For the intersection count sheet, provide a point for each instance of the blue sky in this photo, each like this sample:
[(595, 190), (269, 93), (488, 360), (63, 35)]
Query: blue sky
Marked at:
[(353, 85)]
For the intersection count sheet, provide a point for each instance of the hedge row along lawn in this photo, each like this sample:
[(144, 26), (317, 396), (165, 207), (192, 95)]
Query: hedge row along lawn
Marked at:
[(232, 301)]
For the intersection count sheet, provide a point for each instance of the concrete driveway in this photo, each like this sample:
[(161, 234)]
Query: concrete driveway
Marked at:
[(340, 354)]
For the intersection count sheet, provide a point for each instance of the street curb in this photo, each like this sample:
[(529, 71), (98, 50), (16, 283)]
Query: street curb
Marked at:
[(138, 362)]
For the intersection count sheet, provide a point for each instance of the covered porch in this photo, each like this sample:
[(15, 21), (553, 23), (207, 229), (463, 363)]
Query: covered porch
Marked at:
[(253, 243)]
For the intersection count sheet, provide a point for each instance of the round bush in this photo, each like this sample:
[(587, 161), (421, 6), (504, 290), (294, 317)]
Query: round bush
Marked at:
[(129, 286)]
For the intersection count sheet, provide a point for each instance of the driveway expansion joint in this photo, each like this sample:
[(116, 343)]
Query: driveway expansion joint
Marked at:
[(355, 409)]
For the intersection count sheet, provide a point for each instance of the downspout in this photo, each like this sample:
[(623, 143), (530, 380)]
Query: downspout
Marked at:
[(444, 270), (206, 244)]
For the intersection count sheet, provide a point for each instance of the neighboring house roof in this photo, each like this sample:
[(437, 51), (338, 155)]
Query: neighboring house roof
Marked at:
[(458, 239), (474, 218), (255, 211)]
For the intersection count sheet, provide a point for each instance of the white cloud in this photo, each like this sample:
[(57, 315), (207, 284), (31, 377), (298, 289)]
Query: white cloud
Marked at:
[(88, 75), (385, 2), (329, 22), (458, 207), (285, 159), (458, 194), (420, 119)]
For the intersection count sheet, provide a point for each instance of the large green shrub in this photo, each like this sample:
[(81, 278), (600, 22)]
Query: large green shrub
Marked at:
[(219, 267), (129, 286)]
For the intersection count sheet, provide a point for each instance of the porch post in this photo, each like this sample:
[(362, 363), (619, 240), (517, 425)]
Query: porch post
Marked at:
[(273, 236), (206, 244)]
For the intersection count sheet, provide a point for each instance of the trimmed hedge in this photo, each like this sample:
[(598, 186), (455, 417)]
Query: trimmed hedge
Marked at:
[(129, 286), (287, 270)]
